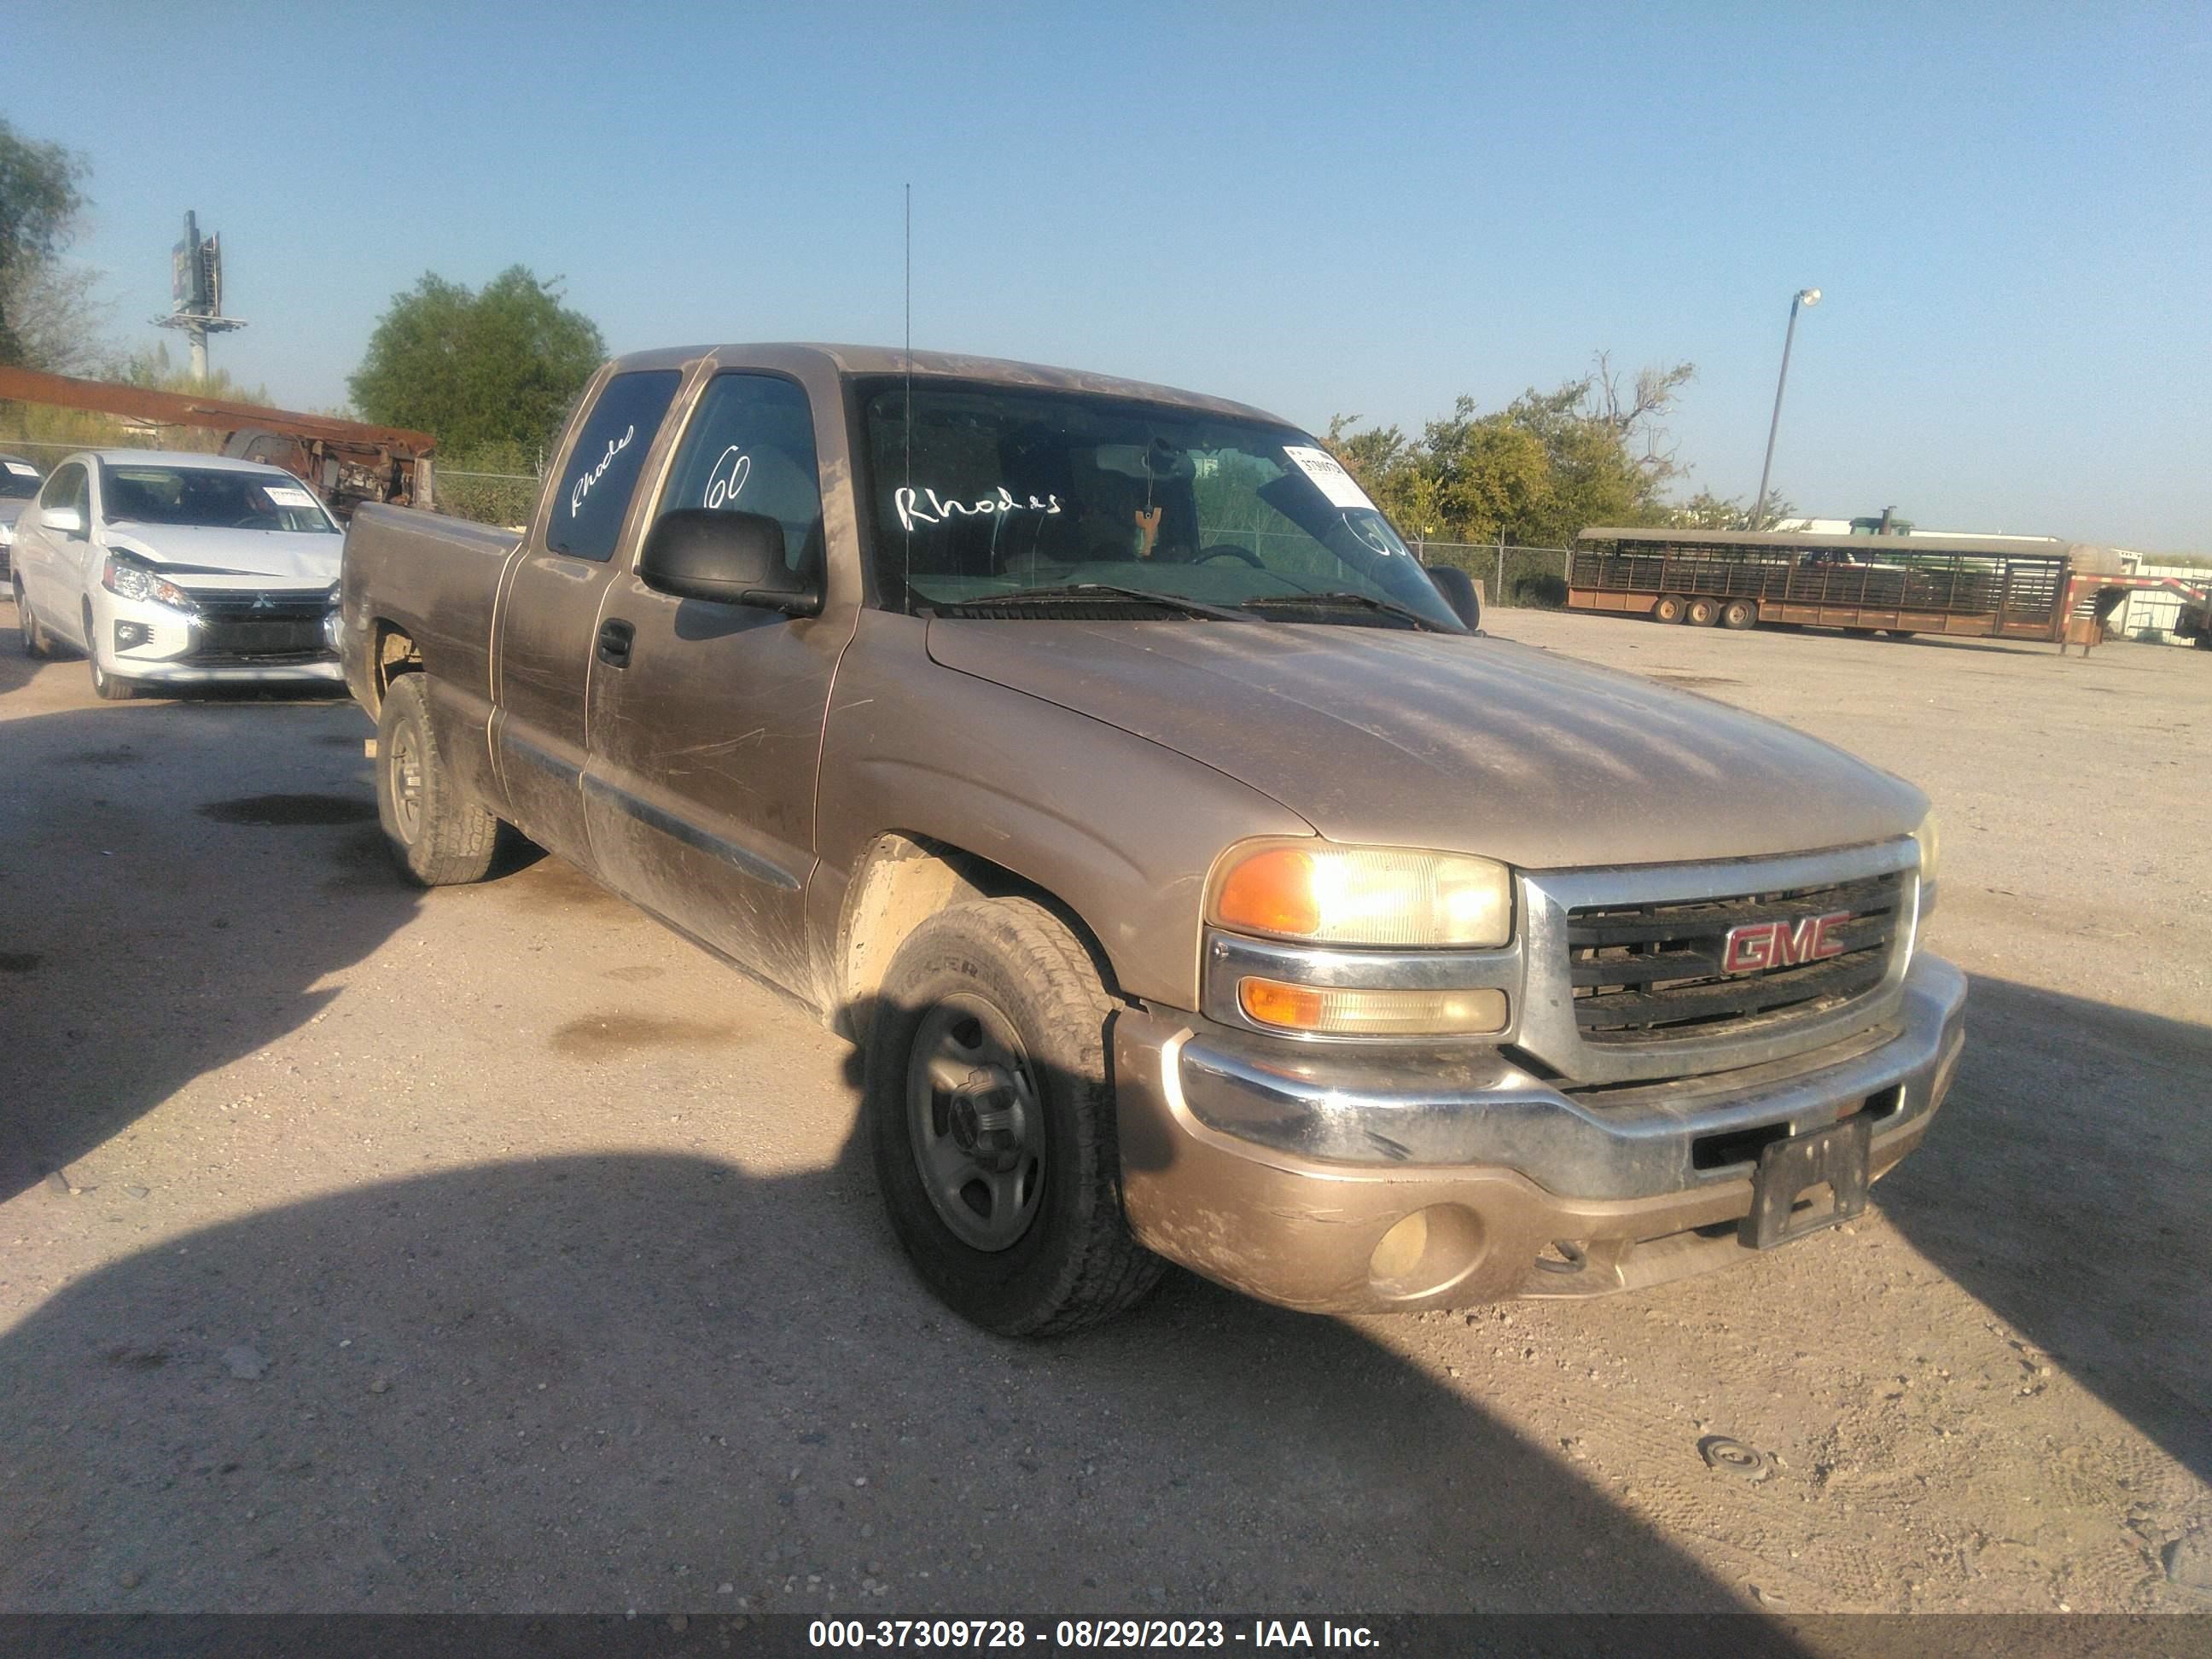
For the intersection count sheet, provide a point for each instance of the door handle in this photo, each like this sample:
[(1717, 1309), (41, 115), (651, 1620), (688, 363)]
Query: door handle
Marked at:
[(614, 643)]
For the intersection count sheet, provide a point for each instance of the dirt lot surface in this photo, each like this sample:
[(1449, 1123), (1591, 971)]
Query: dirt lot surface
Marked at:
[(494, 1248)]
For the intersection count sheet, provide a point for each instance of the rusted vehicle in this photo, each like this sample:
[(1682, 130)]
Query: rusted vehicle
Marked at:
[(1200, 883), (1974, 586), (345, 462)]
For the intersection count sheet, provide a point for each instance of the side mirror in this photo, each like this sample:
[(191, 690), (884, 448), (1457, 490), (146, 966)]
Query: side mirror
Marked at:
[(726, 558), (1459, 592), (66, 520)]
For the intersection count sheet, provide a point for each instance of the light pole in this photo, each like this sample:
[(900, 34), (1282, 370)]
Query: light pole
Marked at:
[(1804, 296)]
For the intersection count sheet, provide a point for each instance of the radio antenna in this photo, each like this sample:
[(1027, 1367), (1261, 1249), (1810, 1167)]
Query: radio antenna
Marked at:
[(908, 597)]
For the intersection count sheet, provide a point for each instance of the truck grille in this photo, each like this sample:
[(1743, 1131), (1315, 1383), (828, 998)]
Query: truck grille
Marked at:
[(1646, 973), (236, 624)]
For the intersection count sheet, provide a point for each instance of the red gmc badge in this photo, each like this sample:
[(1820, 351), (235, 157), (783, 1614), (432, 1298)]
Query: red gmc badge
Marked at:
[(1761, 945)]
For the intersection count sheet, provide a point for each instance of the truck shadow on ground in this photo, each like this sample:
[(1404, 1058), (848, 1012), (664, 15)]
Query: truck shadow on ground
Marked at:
[(172, 893), (2064, 1185), (631, 1381)]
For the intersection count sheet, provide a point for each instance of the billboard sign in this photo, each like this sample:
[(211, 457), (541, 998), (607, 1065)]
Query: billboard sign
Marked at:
[(192, 263)]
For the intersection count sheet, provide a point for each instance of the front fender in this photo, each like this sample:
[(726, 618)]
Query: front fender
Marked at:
[(1120, 831)]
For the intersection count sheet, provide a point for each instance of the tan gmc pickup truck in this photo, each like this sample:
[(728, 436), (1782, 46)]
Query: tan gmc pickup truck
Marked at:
[(1201, 884)]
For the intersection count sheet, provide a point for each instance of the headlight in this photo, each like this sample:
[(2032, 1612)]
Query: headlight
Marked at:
[(128, 579), (1322, 894), (7, 532), (1925, 834)]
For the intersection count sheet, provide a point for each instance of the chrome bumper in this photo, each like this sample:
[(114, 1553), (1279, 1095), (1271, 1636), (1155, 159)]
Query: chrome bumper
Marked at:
[(1620, 1142), (1283, 1174)]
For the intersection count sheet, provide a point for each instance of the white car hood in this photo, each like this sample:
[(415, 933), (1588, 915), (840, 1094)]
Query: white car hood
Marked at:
[(291, 556)]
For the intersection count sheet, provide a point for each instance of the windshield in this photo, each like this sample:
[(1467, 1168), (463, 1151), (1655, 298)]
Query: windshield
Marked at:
[(18, 478), (145, 492), (991, 491)]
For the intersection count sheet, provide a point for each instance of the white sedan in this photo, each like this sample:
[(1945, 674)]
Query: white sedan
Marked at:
[(176, 569)]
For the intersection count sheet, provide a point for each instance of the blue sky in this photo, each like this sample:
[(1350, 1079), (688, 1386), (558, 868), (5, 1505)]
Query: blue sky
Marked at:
[(1364, 209)]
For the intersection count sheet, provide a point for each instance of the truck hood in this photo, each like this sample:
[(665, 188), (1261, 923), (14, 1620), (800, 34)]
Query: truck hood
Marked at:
[(286, 555), (1466, 745)]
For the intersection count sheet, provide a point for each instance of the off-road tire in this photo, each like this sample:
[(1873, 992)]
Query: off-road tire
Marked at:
[(1077, 1263), (1667, 608), (1702, 612), (439, 837), (1738, 614), (33, 632)]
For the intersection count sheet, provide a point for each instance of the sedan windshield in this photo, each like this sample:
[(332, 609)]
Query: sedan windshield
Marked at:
[(147, 492), (1008, 502)]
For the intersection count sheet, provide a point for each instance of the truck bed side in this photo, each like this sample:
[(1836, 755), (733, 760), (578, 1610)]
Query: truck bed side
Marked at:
[(419, 590)]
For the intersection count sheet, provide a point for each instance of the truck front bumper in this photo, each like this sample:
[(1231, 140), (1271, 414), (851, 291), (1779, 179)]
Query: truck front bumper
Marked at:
[(1333, 1180)]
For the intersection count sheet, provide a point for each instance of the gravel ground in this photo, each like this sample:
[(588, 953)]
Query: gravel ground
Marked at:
[(494, 1250)]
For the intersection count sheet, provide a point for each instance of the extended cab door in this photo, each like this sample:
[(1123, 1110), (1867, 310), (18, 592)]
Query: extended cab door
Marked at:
[(706, 719), (548, 614)]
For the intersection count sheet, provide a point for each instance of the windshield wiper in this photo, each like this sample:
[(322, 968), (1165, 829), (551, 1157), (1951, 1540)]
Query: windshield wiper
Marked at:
[(1076, 592), (1337, 600)]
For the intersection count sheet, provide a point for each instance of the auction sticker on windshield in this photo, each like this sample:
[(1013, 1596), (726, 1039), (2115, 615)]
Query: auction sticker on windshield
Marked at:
[(22, 471), (288, 496), (1325, 471)]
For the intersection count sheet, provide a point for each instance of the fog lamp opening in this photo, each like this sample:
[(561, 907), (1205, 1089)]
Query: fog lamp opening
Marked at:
[(1425, 1253)]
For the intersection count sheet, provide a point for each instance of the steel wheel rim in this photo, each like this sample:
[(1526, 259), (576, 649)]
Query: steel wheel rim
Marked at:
[(974, 1123), (406, 783)]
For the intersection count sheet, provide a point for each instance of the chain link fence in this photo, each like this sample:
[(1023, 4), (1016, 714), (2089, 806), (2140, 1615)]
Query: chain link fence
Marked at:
[(1529, 577)]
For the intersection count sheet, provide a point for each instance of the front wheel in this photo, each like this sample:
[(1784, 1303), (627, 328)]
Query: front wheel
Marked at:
[(438, 836), (991, 1121), (36, 645)]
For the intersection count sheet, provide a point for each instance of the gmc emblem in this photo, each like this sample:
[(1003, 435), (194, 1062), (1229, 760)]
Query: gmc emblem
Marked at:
[(1760, 945)]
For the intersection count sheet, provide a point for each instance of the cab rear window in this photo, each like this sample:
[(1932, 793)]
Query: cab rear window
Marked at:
[(603, 468)]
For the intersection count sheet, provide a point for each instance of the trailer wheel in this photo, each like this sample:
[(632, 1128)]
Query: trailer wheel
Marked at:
[(1702, 612), (1739, 613), (1667, 608)]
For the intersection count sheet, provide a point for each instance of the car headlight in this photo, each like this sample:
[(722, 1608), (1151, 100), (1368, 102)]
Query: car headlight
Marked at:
[(7, 532), (129, 580), (1314, 892)]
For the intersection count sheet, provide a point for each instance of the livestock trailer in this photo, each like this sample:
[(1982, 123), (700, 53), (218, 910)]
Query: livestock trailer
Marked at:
[(1974, 586)]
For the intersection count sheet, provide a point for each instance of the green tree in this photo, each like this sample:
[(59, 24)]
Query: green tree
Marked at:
[(1706, 511), (477, 370), (1592, 452), (39, 196)]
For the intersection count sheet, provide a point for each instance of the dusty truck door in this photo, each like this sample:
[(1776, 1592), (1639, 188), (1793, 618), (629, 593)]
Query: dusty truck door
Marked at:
[(548, 614), (705, 734)]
